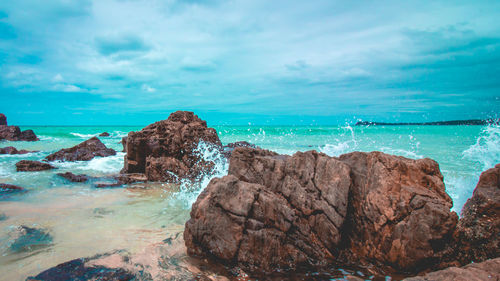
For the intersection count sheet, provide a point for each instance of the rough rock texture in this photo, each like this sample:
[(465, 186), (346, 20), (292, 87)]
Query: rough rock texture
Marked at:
[(5, 186), (483, 271), (3, 119), (271, 210), (104, 134), (228, 148), (74, 178), (478, 231), (13, 150), (13, 133), (275, 211), (31, 166), (124, 144), (85, 151), (399, 212), (166, 150)]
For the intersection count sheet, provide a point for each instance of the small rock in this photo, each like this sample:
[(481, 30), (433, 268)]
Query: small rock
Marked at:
[(85, 151), (228, 148), (30, 166), (13, 133), (105, 134), (5, 186), (486, 270), (3, 119), (74, 178)]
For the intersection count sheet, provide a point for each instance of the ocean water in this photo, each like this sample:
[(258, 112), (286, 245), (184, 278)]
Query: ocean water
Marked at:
[(83, 221)]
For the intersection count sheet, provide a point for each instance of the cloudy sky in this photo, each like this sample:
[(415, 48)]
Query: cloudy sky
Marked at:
[(234, 62)]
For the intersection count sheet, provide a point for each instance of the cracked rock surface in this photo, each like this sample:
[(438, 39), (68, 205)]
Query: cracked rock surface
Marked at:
[(276, 212)]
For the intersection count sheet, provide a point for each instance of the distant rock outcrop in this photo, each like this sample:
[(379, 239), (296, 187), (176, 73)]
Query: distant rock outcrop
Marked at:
[(12, 150), (32, 166), (84, 151), (14, 133), (275, 212), (167, 150), (104, 134)]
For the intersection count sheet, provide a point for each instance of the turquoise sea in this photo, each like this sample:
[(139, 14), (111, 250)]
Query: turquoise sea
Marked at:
[(84, 221)]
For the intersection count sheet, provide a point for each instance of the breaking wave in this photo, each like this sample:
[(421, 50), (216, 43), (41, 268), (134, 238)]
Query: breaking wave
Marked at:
[(486, 150)]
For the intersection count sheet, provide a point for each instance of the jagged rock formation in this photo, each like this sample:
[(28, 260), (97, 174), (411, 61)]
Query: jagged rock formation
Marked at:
[(74, 178), (166, 150), (276, 211), (12, 150), (84, 151)]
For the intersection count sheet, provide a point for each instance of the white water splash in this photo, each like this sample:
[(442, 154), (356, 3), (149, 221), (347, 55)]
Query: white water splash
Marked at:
[(189, 190), (84, 136), (341, 147), (486, 150)]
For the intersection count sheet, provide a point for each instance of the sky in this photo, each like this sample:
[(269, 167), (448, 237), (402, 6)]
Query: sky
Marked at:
[(128, 62)]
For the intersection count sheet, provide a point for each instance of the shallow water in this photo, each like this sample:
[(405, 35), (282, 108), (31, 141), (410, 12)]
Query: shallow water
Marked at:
[(84, 221)]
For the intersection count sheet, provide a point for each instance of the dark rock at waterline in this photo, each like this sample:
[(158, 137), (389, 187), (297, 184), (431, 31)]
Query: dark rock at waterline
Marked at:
[(5, 186), (74, 178), (14, 133), (131, 178), (84, 151), (3, 119), (30, 239), (276, 212), (166, 150), (478, 231), (32, 166), (228, 148), (77, 270), (486, 270), (108, 184), (104, 134), (12, 150)]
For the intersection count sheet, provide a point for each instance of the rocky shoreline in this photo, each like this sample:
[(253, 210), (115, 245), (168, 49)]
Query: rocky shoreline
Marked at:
[(277, 215)]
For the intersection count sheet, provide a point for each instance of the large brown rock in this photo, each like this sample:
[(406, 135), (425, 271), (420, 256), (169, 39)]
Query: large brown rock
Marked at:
[(478, 231), (166, 150), (14, 133), (483, 271), (274, 211), (84, 151), (32, 166), (399, 212)]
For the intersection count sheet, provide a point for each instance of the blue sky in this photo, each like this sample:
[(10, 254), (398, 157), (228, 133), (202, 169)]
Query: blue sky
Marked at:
[(234, 62)]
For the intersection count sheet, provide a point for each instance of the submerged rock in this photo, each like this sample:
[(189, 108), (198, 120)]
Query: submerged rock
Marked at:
[(74, 178), (167, 150), (478, 231), (12, 150), (280, 212), (32, 166), (84, 151), (77, 270), (104, 134), (29, 239), (5, 186), (486, 270)]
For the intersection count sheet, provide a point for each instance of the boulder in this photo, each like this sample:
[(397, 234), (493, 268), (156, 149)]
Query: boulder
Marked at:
[(28, 239), (478, 231), (272, 211), (84, 151), (13, 150), (14, 133), (167, 150), (74, 178), (486, 270), (276, 212), (3, 119), (31, 166), (399, 214), (104, 134)]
